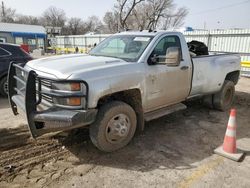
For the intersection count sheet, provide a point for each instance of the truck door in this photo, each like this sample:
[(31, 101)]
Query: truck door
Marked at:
[(167, 85)]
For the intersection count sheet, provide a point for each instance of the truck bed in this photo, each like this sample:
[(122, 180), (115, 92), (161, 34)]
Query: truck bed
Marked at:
[(210, 71)]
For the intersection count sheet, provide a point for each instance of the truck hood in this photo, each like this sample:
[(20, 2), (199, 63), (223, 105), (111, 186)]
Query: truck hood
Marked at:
[(64, 66)]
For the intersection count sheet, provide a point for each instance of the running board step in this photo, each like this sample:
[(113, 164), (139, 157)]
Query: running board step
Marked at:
[(164, 111)]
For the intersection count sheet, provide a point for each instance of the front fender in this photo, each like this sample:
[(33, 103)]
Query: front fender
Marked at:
[(109, 80), (101, 88)]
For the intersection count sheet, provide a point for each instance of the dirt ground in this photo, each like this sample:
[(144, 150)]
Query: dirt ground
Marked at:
[(173, 151)]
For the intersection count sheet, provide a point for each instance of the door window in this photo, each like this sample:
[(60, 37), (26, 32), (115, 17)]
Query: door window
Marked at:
[(164, 44), (4, 53)]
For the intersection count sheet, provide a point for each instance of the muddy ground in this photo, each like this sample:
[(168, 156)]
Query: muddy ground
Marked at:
[(173, 151)]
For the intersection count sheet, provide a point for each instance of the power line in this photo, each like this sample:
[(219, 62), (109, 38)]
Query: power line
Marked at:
[(223, 7)]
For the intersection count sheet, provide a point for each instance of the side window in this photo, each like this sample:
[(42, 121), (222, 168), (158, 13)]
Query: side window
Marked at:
[(164, 44), (159, 49), (19, 52), (3, 53)]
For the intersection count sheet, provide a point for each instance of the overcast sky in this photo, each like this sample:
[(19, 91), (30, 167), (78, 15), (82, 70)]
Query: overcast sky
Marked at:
[(210, 13)]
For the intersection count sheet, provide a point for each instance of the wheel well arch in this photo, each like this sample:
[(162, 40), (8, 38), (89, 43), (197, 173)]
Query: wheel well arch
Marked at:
[(133, 98), (233, 76)]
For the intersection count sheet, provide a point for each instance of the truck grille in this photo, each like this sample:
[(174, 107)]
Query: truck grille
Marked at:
[(46, 83), (46, 86), (32, 91), (47, 98)]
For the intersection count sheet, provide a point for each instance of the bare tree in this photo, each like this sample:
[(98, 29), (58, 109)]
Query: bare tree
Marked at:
[(54, 17), (149, 14), (132, 14), (175, 20), (156, 10), (124, 9), (111, 22), (93, 24), (31, 20), (138, 19), (178, 19), (7, 14), (153, 14), (75, 26)]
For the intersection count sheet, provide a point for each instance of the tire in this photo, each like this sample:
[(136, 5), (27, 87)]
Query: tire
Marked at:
[(224, 99), (114, 127), (4, 87)]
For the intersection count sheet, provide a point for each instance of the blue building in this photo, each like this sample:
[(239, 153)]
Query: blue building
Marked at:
[(32, 35)]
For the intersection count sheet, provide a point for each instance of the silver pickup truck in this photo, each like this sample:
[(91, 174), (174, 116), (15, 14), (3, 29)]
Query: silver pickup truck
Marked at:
[(129, 78)]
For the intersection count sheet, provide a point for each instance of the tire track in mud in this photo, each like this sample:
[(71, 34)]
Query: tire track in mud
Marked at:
[(18, 152), (13, 138)]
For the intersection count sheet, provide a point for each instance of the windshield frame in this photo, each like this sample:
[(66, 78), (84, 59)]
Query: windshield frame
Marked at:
[(125, 59)]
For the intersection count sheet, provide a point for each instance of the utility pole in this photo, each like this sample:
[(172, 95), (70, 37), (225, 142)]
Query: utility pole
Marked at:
[(3, 11)]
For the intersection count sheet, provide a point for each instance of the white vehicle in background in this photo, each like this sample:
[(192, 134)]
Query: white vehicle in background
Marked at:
[(127, 79)]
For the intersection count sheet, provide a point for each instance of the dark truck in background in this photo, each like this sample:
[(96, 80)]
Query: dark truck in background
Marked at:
[(9, 53)]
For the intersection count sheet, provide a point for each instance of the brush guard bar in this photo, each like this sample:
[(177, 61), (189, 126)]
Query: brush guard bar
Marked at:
[(30, 94)]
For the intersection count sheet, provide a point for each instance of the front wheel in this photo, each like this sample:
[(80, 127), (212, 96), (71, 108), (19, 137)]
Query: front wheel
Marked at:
[(114, 127), (224, 99)]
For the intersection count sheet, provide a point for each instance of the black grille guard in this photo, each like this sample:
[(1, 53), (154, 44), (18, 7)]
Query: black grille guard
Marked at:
[(32, 97)]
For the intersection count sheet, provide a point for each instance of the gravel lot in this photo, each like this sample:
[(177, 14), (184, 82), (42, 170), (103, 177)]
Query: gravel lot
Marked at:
[(173, 151)]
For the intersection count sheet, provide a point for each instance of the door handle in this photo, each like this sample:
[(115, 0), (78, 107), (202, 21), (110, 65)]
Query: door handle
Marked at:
[(184, 67)]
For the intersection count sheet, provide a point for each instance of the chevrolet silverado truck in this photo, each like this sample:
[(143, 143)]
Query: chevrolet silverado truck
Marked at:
[(129, 78)]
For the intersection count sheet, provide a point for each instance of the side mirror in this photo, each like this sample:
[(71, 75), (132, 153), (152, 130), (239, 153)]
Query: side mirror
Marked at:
[(173, 56), (154, 59)]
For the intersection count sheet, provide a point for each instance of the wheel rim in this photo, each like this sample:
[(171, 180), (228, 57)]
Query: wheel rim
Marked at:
[(5, 87), (118, 128), (228, 96)]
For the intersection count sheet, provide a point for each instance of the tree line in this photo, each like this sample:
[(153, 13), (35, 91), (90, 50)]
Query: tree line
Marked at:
[(126, 14)]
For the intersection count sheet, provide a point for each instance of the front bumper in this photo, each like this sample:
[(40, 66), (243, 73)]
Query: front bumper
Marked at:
[(29, 96)]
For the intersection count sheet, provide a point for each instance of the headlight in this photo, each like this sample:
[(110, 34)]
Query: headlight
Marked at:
[(68, 86), (71, 93)]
